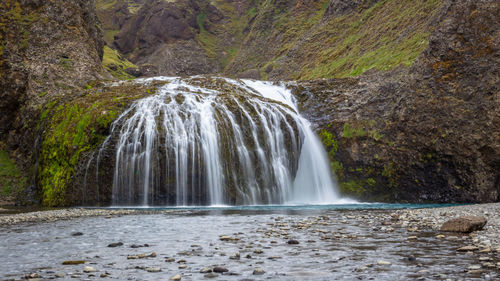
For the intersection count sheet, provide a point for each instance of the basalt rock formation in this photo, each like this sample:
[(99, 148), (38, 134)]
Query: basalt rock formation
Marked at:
[(429, 133), (404, 94), (50, 50)]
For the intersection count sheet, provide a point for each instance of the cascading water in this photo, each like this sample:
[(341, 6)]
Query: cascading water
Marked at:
[(217, 141)]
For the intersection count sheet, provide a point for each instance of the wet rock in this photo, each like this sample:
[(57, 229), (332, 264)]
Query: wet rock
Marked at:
[(412, 259), (485, 250), (258, 271), (293, 242), (382, 262), (32, 276), (104, 275), (182, 266), (211, 275), (117, 244), (258, 251), (59, 275), (73, 262), (206, 270), (77, 234), (467, 248), (464, 224), (474, 267), (153, 269), (169, 259), (135, 246), (176, 277), (235, 256), (220, 269), (89, 269)]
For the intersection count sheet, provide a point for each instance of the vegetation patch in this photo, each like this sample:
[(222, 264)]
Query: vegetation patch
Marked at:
[(76, 127), (11, 179), (115, 64)]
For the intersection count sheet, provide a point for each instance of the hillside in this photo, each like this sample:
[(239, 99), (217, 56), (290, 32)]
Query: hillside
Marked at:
[(278, 40)]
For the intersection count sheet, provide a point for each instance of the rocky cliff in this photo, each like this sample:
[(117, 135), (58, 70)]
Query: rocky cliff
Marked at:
[(429, 133), (408, 110), (50, 50)]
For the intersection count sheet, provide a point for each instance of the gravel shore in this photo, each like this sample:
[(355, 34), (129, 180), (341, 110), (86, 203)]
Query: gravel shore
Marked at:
[(422, 219), (65, 214), (433, 218)]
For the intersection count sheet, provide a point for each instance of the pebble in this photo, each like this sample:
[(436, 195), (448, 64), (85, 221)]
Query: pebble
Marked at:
[(220, 269), (258, 271), (382, 262), (211, 275), (169, 259), (293, 242), (176, 277), (182, 266), (73, 262), (467, 248), (153, 269), (89, 269), (76, 234), (235, 256), (474, 267), (206, 270), (117, 244)]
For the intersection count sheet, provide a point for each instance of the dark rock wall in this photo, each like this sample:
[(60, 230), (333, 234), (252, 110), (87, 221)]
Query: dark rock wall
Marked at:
[(49, 52), (430, 133)]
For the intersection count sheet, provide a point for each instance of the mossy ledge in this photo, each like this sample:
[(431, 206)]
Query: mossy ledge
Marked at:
[(78, 126)]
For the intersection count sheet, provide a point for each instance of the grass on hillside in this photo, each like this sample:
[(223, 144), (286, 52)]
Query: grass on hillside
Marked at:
[(115, 64)]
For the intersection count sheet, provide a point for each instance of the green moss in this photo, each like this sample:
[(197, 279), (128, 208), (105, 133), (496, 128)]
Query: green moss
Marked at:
[(76, 127), (115, 64), (390, 173), (11, 179), (206, 40), (67, 63), (353, 132)]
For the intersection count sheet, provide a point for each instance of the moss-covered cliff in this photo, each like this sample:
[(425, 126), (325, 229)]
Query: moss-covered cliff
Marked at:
[(49, 51)]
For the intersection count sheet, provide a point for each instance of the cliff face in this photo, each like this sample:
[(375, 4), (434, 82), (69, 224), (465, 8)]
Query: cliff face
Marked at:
[(277, 40), (429, 133), (409, 111), (49, 52)]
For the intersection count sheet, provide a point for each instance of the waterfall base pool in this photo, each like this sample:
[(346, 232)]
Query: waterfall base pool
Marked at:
[(361, 241)]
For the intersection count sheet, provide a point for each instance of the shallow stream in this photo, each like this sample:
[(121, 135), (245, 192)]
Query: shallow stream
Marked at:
[(333, 244)]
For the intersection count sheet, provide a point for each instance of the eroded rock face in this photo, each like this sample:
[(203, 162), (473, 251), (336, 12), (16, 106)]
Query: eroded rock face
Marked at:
[(342, 7), (50, 50), (162, 34), (465, 224), (430, 133)]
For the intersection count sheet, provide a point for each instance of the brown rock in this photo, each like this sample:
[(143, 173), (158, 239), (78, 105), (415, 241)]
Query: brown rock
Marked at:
[(464, 224)]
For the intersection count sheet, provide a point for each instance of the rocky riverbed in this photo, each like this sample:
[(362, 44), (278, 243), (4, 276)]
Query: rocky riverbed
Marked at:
[(254, 244)]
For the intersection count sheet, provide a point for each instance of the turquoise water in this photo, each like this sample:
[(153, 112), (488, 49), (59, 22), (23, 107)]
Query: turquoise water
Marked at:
[(355, 206)]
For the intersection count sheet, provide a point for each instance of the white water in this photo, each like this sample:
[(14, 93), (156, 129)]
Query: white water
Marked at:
[(217, 141)]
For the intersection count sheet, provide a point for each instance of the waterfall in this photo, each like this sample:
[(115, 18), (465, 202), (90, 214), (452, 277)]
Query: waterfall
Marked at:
[(217, 141)]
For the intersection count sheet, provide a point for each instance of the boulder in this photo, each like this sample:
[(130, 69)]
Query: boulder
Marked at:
[(464, 224)]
